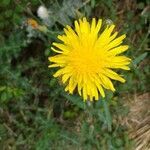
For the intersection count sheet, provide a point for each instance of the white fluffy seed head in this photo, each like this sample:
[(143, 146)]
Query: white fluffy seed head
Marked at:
[(42, 12)]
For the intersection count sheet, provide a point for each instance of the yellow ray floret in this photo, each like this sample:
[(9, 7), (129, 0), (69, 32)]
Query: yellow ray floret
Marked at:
[(87, 58)]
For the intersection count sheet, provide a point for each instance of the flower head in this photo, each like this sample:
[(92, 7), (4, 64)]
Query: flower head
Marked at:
[(87, 58), (42, 12)]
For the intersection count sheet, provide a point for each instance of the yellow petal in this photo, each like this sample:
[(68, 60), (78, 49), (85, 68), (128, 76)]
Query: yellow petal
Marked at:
[(57, 51), (116, 42), (118, 50), (65, 77), (54, 65), (62, 47), (93, 25), (113, 75), (72, 85), (84, 91), (106, 81), (98, 26)]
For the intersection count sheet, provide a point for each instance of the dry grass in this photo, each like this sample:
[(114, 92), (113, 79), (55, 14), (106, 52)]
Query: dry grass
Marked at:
[(138, 121)]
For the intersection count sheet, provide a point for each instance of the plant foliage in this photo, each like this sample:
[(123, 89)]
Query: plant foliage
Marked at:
[(35, 112)]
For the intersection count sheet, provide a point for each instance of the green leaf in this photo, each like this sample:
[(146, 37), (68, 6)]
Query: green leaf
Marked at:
[(8, 13), (16, 18), (18, 9), (4, 96), (76, 100), (2, 88), (93, 3), (5, 2), (139, 58)]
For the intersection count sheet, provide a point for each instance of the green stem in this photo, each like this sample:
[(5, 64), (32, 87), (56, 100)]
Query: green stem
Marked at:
[(107, 114), (89, 110)]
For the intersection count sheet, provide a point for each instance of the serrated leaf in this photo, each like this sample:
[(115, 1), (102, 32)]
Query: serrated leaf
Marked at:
[(75, 100), (137, 60)]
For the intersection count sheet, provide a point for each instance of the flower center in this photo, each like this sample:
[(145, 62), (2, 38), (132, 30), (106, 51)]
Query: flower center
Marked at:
[(85, 62)]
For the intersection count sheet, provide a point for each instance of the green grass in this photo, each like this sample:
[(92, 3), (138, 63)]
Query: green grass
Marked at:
[(35, 112)]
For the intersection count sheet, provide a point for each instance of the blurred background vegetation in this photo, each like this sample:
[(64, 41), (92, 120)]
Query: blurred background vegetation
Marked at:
[(36, 113)]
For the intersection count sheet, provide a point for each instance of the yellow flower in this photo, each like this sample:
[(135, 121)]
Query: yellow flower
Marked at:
[(87, 56)]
